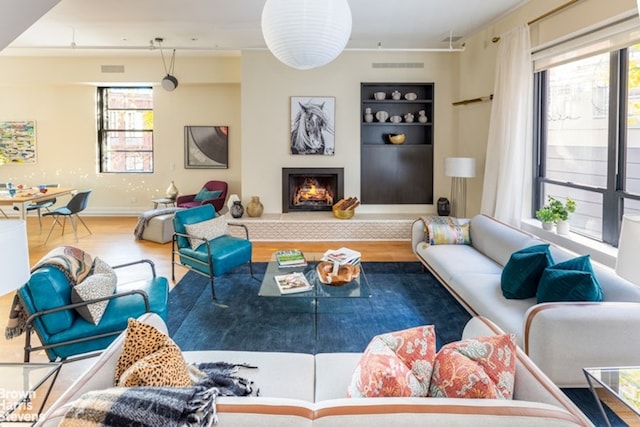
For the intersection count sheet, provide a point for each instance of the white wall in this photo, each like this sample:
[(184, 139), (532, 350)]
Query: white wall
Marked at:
[(267, 86)]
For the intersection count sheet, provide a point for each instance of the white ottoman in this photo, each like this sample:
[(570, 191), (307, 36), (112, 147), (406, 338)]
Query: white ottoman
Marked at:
[(159, 229)]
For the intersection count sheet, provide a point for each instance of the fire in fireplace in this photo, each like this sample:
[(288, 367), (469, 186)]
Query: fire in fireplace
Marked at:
[(311, 189)]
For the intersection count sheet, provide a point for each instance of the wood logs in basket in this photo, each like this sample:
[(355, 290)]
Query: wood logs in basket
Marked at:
[(347, 204)]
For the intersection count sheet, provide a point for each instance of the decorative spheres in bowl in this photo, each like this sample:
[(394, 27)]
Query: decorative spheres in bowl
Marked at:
[(397, 138)]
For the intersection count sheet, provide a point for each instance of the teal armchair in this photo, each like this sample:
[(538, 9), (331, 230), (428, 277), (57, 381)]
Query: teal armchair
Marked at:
[(210, 257), (63, 333)]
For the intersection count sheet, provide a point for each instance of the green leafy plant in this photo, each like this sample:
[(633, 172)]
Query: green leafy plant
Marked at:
[(555, 210), (545, 215)]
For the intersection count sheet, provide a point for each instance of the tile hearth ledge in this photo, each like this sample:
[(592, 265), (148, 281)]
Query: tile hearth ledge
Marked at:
[(323, 226)]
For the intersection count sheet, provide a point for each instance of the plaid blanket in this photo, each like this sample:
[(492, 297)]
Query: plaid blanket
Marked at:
[(76, 265), (160, 406)]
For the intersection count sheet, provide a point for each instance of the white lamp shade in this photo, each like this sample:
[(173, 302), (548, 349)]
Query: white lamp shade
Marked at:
[(305, 34), (460, 167), (628, 261), (14, 255)]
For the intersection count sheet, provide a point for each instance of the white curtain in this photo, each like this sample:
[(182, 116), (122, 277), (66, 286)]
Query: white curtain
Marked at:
[(508, 158)]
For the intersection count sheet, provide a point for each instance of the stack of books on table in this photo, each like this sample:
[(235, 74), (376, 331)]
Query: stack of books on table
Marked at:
[(291, 258), (342, 256), (292, 283)]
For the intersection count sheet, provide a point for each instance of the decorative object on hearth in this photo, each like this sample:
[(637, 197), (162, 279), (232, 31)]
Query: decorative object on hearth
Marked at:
[(236, 209), (254, 207), (444, 208), (459, 168), (397, 138), (627, 265), (345, 208), (345, 273), (172, 191), (306, 34)]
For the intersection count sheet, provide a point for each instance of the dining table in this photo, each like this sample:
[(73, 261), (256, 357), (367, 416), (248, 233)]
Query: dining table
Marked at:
[(23, 197)]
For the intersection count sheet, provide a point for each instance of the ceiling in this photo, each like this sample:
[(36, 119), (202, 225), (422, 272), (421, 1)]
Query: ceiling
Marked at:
[(224, 26)]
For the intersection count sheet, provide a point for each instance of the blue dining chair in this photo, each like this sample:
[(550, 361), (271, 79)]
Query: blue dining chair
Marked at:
[(77, 204)]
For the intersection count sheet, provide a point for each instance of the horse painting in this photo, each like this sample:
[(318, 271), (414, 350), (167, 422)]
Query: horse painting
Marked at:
[(311, 129)]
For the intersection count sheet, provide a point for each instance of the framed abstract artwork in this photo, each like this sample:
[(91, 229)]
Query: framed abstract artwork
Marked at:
[(18, 141), (312, 125), (206, 147)]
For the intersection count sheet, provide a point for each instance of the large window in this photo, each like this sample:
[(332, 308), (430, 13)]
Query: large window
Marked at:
[(125, 129), (588, 139)]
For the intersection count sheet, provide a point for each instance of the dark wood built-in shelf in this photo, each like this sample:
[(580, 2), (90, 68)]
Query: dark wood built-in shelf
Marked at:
[(397, 174)]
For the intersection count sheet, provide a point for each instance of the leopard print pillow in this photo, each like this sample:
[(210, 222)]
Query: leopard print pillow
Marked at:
[(143, 340), (164, 368)]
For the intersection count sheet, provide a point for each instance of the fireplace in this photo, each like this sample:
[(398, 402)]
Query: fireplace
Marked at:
[(311, 189)]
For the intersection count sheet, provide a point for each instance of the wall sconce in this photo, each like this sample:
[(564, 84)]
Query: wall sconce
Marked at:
[(627, 265), (459, 168), (305, 34)]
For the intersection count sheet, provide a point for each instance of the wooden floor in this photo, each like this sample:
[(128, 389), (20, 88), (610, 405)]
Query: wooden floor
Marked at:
[(112, 240)]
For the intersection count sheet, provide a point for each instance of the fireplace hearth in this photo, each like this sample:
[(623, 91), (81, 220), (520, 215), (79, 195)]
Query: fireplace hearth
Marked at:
[(311, 189)]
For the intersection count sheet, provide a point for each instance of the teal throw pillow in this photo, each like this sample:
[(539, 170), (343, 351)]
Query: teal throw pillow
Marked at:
[(571, 280), (522, 273), (205, 194)]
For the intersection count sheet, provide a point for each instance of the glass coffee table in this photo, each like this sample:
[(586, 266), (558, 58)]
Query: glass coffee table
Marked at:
[(357, 288), (623, 383), (20, 390)]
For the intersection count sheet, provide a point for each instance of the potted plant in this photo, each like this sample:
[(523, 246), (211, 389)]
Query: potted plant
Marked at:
[(556, 212), (547, 217)]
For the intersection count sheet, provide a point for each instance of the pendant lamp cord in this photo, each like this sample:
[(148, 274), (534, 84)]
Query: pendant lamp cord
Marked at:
[(169, 70)]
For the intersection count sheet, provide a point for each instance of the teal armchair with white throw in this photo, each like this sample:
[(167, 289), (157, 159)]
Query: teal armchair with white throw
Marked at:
[(77, 304), (202, 244)]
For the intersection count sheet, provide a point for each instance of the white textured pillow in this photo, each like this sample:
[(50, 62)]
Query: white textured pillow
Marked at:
[(209, 229), (101, 283)]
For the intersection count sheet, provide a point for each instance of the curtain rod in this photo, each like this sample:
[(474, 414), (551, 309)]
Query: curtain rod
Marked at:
[(470, 101), (545, 15)]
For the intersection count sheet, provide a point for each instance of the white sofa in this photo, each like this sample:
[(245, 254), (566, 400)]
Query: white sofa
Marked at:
[(305, 390), (560, 337)]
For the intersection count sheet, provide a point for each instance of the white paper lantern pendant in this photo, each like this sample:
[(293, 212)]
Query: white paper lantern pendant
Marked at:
[(305, 34)]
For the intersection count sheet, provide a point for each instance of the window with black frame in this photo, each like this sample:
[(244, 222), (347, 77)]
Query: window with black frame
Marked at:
[(125, 129), (587, 128)]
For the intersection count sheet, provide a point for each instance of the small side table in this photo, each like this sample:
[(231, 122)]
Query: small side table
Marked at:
[(20, 384), (163, 201), (623, 383)]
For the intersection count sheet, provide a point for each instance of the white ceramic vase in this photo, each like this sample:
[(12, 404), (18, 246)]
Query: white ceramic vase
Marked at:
[(547, 226), (562, 228)]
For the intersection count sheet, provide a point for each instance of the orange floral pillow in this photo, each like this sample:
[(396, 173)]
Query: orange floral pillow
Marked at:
[(396, 364), (482, 368)]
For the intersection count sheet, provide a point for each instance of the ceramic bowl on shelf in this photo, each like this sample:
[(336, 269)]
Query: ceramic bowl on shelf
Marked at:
[(397, 139), (379, 96), (410, 96), (382, 116), (395, 119)]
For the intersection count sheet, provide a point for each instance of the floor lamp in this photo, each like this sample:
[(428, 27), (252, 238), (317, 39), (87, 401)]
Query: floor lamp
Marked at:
[(627, 265), (14, 255), (459, 169)]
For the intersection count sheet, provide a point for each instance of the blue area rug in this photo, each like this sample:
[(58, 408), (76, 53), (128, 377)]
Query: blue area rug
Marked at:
[(403, 296)]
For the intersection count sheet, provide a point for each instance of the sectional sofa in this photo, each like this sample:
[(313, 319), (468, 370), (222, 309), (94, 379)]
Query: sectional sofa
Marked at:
[(560, 337), (309, 390)]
